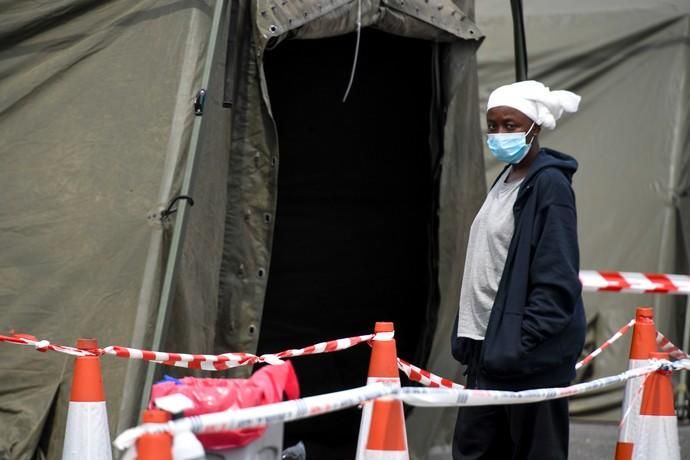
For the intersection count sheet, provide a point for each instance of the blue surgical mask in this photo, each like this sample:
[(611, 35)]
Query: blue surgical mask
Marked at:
[(509, 147)]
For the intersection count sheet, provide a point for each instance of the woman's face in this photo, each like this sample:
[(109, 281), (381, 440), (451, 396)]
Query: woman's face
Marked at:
[(504, 119)]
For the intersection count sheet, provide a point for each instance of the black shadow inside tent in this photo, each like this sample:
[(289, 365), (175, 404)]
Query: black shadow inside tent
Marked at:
[(351, 243)]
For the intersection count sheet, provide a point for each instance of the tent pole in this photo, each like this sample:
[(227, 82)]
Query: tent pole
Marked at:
[(682, 410), (231, 56), (519, 41), (167, 290)]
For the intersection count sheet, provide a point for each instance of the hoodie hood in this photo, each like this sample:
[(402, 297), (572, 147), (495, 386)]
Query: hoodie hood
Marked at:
[(547, 158)]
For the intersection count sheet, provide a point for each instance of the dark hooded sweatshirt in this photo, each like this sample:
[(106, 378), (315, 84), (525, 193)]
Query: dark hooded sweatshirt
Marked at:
[(537, 324)]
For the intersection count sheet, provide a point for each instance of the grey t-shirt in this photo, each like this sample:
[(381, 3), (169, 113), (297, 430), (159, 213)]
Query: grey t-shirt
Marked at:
[(487, 249)]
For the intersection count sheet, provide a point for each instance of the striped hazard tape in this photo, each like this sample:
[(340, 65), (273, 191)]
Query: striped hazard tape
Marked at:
[(192, 361), (639, 283), (668, 347), (230, 360), (426, 378), (621, 332), (44, 345), (416, 396), (662, 342)]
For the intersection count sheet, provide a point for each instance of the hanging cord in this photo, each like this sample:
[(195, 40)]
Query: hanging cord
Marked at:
[(354, 62), (170, 211)]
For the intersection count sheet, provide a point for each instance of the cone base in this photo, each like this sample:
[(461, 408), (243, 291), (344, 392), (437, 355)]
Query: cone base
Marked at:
[(385, 455), (658, 439), (87, 434), (632, 397)]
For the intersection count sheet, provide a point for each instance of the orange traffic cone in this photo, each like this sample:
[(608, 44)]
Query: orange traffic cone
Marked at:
[(382, 433), (155, 446), (87, 434), (658, 436), (643, 343)]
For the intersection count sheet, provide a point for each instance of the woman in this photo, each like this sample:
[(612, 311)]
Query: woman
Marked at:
[(521, 323)]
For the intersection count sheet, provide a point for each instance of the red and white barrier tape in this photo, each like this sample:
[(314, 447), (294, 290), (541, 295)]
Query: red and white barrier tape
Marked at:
[(668, 347), (44, 345), (662, 342), (417, 396), (261, 415), (230, 360), (605, 345), (640, 283), (441, 397), (426, 378), (206, 362)]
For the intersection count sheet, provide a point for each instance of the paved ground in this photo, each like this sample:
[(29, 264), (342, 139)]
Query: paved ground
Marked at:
[(594, 441)]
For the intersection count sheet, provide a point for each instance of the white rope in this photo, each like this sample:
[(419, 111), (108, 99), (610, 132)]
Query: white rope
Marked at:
[(330, 402), (354, 62)]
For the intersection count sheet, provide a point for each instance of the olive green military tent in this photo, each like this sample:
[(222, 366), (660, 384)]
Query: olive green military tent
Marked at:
[(333, 175)]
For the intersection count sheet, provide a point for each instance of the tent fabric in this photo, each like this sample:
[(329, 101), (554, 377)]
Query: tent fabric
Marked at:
[(441, 21), (630, 62), (95, 117), (252, 199)]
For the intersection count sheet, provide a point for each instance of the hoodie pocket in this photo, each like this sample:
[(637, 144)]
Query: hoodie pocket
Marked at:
[(501, 351), (547, 354)]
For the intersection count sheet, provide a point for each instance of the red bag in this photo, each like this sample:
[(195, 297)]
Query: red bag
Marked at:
[(266, 386)]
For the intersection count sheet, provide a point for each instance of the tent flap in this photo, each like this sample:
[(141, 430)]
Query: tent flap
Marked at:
[(442, 20)]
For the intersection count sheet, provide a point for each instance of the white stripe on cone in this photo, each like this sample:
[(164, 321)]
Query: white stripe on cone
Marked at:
[(630, 426), (658, 438), (386, 455), (365, 425), (87, 435)]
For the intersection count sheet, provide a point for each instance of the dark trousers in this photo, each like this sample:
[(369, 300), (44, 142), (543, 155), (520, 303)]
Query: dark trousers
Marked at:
[(536, 431)]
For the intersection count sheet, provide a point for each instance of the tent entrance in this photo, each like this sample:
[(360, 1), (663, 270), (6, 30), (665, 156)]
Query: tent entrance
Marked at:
[(352, 230)]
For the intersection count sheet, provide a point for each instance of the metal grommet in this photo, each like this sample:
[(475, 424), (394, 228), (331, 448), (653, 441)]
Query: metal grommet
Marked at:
[(267, 218), (273, 28), (252, 329), (261, 273)]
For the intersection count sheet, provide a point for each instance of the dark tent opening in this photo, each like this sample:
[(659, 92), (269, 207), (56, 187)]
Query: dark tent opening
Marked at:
[(354, 226)]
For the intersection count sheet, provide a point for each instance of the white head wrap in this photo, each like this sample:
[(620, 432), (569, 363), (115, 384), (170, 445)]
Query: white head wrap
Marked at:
[(535, 100)]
